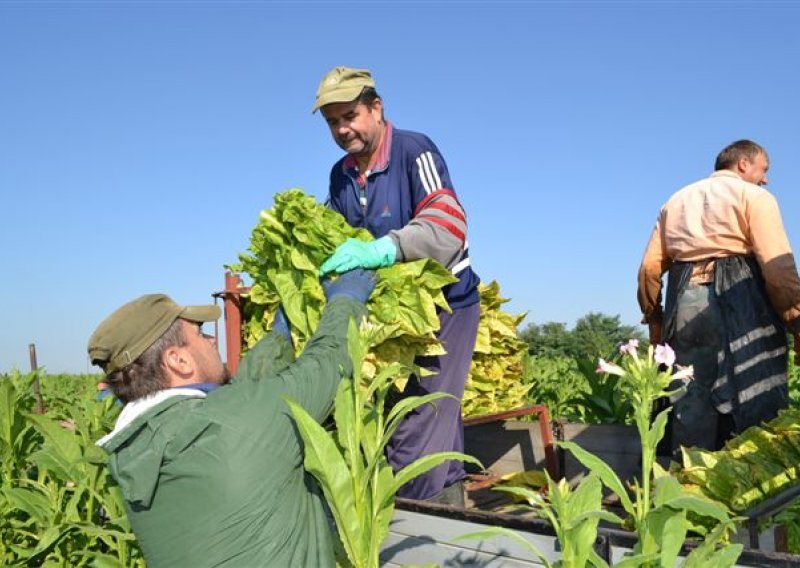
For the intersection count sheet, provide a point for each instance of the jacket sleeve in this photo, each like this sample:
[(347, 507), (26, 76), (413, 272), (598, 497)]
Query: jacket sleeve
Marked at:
[(438, 228), (312, 379), (774, 254), (654, 263), (270, 355)]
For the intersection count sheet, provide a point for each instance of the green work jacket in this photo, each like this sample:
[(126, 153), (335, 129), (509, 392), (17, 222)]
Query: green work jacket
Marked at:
[(218, 479)]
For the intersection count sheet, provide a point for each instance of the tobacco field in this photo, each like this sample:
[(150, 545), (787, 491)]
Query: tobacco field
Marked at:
[(58, 504), (60, 507)]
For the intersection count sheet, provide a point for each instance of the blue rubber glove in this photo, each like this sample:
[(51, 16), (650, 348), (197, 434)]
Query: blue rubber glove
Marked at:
[(357, 284), (357, 254), (281, 325)]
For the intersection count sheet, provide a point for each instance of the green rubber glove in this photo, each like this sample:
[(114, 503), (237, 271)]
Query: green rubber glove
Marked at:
[(357, 254)]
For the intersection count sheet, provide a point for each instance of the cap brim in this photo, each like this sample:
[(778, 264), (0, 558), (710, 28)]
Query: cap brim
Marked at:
[(345, 95), (200, 313)]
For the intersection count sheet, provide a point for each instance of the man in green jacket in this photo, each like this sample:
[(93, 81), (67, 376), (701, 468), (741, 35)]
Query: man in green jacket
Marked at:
[(211, 469)]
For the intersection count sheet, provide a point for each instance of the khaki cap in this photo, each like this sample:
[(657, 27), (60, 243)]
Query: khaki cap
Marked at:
[(127, 333), (342, 85)]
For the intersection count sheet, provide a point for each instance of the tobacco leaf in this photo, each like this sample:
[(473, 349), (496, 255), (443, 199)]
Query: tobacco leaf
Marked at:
[(288, 245), (495, 382), (757, 464)]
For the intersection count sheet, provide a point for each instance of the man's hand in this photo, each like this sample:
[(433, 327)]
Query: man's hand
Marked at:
[(357, 254), (357, 284), (654, 328), (797, 348)]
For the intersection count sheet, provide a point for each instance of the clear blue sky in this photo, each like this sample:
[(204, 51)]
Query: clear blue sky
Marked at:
[(140, 140)]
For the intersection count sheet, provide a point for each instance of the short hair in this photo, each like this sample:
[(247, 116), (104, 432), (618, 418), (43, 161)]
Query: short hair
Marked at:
[(368, 96), (734, 152), (147, 374)]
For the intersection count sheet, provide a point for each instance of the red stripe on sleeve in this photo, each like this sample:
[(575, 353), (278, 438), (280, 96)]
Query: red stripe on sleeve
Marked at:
[(449, 209), (446, 224), (437, 193)]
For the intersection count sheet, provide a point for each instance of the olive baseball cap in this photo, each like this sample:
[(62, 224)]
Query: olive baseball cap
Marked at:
[(342, 85), (127, 333)]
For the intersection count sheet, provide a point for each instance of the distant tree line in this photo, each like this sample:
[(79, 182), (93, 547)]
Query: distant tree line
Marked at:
[(594, 335)]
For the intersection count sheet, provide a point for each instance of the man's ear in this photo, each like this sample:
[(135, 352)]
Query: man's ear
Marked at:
[(377, 108), (177, 361), (743, 164)]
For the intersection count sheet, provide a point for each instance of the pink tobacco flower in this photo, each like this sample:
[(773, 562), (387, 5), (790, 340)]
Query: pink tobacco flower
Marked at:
[(630, 347), (665, 355), (604, 366)]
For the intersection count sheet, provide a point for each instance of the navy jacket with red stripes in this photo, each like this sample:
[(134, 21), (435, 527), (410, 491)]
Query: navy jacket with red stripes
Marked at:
[(407, 194)]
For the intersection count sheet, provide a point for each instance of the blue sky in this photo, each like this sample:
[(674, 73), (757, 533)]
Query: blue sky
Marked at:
[(140, 140)]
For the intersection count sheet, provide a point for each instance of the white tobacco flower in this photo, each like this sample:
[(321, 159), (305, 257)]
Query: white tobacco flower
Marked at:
[(604, 366), (630, 348), (685, 374), (665, 355)]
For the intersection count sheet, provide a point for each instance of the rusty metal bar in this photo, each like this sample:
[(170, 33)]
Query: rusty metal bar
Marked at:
[(232, 310), (546, 428), (550, 458), (37, 392), (781, 538), (233, 320), (507, 415)]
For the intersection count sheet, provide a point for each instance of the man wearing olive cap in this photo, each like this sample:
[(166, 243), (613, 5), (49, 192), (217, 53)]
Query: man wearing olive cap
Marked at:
[(395, 183), (211, 469)]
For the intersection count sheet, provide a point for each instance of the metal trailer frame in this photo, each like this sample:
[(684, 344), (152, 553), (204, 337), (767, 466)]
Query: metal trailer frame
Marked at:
[(610, 543), (545, 428)]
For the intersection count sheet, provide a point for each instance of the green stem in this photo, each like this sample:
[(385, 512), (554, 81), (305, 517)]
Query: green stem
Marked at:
[(90, 504), (643, 505)]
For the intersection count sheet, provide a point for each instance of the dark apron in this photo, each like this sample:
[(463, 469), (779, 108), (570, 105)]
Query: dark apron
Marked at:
[(732, 335)]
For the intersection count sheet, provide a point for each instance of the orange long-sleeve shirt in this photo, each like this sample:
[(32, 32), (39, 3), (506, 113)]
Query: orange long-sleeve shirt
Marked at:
[(720, 216)]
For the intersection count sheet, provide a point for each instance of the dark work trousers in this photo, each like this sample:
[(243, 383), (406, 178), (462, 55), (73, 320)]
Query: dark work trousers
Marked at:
[(430, 429)]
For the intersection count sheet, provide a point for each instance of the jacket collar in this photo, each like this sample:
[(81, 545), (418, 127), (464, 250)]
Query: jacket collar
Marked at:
[(141, 406), (380, 161)]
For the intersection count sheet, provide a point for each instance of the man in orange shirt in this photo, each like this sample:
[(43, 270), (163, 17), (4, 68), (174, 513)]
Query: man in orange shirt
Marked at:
[(733, 291)]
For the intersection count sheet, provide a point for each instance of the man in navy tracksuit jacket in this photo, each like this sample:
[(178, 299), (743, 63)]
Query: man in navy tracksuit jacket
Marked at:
[(395, 183)]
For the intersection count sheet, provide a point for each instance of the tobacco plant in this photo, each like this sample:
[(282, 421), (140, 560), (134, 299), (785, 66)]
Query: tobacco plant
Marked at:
[(553, 381), (58, 504), (574, 515), (350, 463), (660, 510), (602, 401)]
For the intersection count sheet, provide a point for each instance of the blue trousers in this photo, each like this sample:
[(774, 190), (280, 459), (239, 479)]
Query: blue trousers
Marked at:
[(437, 428)]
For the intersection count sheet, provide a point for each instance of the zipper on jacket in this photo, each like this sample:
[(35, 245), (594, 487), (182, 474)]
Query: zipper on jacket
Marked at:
[(362, 193)]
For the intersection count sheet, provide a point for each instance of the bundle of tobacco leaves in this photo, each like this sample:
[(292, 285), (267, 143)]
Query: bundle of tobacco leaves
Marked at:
[(495, 382), (757, 464), (287, 247)]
